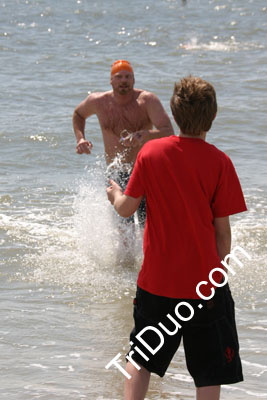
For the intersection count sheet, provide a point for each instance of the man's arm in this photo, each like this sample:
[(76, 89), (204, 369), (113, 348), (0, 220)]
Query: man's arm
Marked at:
[(158, 118), (86, 108), (223, 236), (124, 205)]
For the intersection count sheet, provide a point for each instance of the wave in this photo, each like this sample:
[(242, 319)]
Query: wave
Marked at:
[(230, 45)]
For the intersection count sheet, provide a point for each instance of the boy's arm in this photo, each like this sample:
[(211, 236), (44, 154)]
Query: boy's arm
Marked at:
[(124, 205), (223, 236)]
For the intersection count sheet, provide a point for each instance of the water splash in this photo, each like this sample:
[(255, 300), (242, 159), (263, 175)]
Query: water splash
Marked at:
[(86, 249)]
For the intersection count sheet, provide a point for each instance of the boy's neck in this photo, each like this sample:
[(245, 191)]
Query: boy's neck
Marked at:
[(201, 136)]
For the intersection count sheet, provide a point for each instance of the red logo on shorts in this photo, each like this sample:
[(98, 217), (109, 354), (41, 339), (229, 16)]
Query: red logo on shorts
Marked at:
[(229, 354)]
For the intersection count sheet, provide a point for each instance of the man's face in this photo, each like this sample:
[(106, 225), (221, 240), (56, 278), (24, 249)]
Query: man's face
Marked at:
[(122, 82)]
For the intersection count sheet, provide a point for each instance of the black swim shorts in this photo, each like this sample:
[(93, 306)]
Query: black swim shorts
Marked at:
[(122, 179), (209, 336)]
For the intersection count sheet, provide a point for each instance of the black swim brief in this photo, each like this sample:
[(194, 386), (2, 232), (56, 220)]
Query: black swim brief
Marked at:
[(122, 179), (209, 337)]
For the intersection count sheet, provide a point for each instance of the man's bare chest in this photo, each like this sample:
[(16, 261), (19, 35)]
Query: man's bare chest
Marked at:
[(132, 117)]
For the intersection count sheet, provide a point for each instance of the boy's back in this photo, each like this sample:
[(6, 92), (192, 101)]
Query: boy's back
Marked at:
[(187, 183)]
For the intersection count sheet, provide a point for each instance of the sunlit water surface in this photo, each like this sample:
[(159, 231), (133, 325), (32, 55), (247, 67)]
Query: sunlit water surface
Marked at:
[(66, 281)]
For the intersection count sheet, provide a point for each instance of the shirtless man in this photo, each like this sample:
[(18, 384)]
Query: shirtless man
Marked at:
[(122, 109)]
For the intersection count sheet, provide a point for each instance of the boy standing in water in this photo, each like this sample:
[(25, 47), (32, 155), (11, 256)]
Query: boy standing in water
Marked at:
[(191, 189)]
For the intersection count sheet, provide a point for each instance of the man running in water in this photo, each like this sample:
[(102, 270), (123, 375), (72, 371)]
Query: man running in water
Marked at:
[(128, 118)]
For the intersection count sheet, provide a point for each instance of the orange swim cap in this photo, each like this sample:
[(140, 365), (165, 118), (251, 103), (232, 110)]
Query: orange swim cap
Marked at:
[(121, 65)]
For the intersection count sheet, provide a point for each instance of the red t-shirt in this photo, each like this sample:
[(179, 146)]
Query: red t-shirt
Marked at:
[(187, 182)]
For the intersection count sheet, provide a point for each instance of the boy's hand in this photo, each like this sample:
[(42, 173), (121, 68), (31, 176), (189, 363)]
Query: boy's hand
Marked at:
[(113, 191)]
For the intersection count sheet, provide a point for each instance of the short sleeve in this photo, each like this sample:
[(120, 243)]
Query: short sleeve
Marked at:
[(135, 187), (228, 198)]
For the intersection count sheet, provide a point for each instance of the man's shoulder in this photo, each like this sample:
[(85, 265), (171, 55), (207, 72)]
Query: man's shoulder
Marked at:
[(98, 100), (145, 95), (98, 96)]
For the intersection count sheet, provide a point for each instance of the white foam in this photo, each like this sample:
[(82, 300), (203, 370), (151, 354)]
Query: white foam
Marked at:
[(219, 46), (260, 328), (249, 392), (39, 366), (250, 364)]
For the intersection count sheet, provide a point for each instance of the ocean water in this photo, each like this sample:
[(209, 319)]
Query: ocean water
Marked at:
[(65, 289)]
